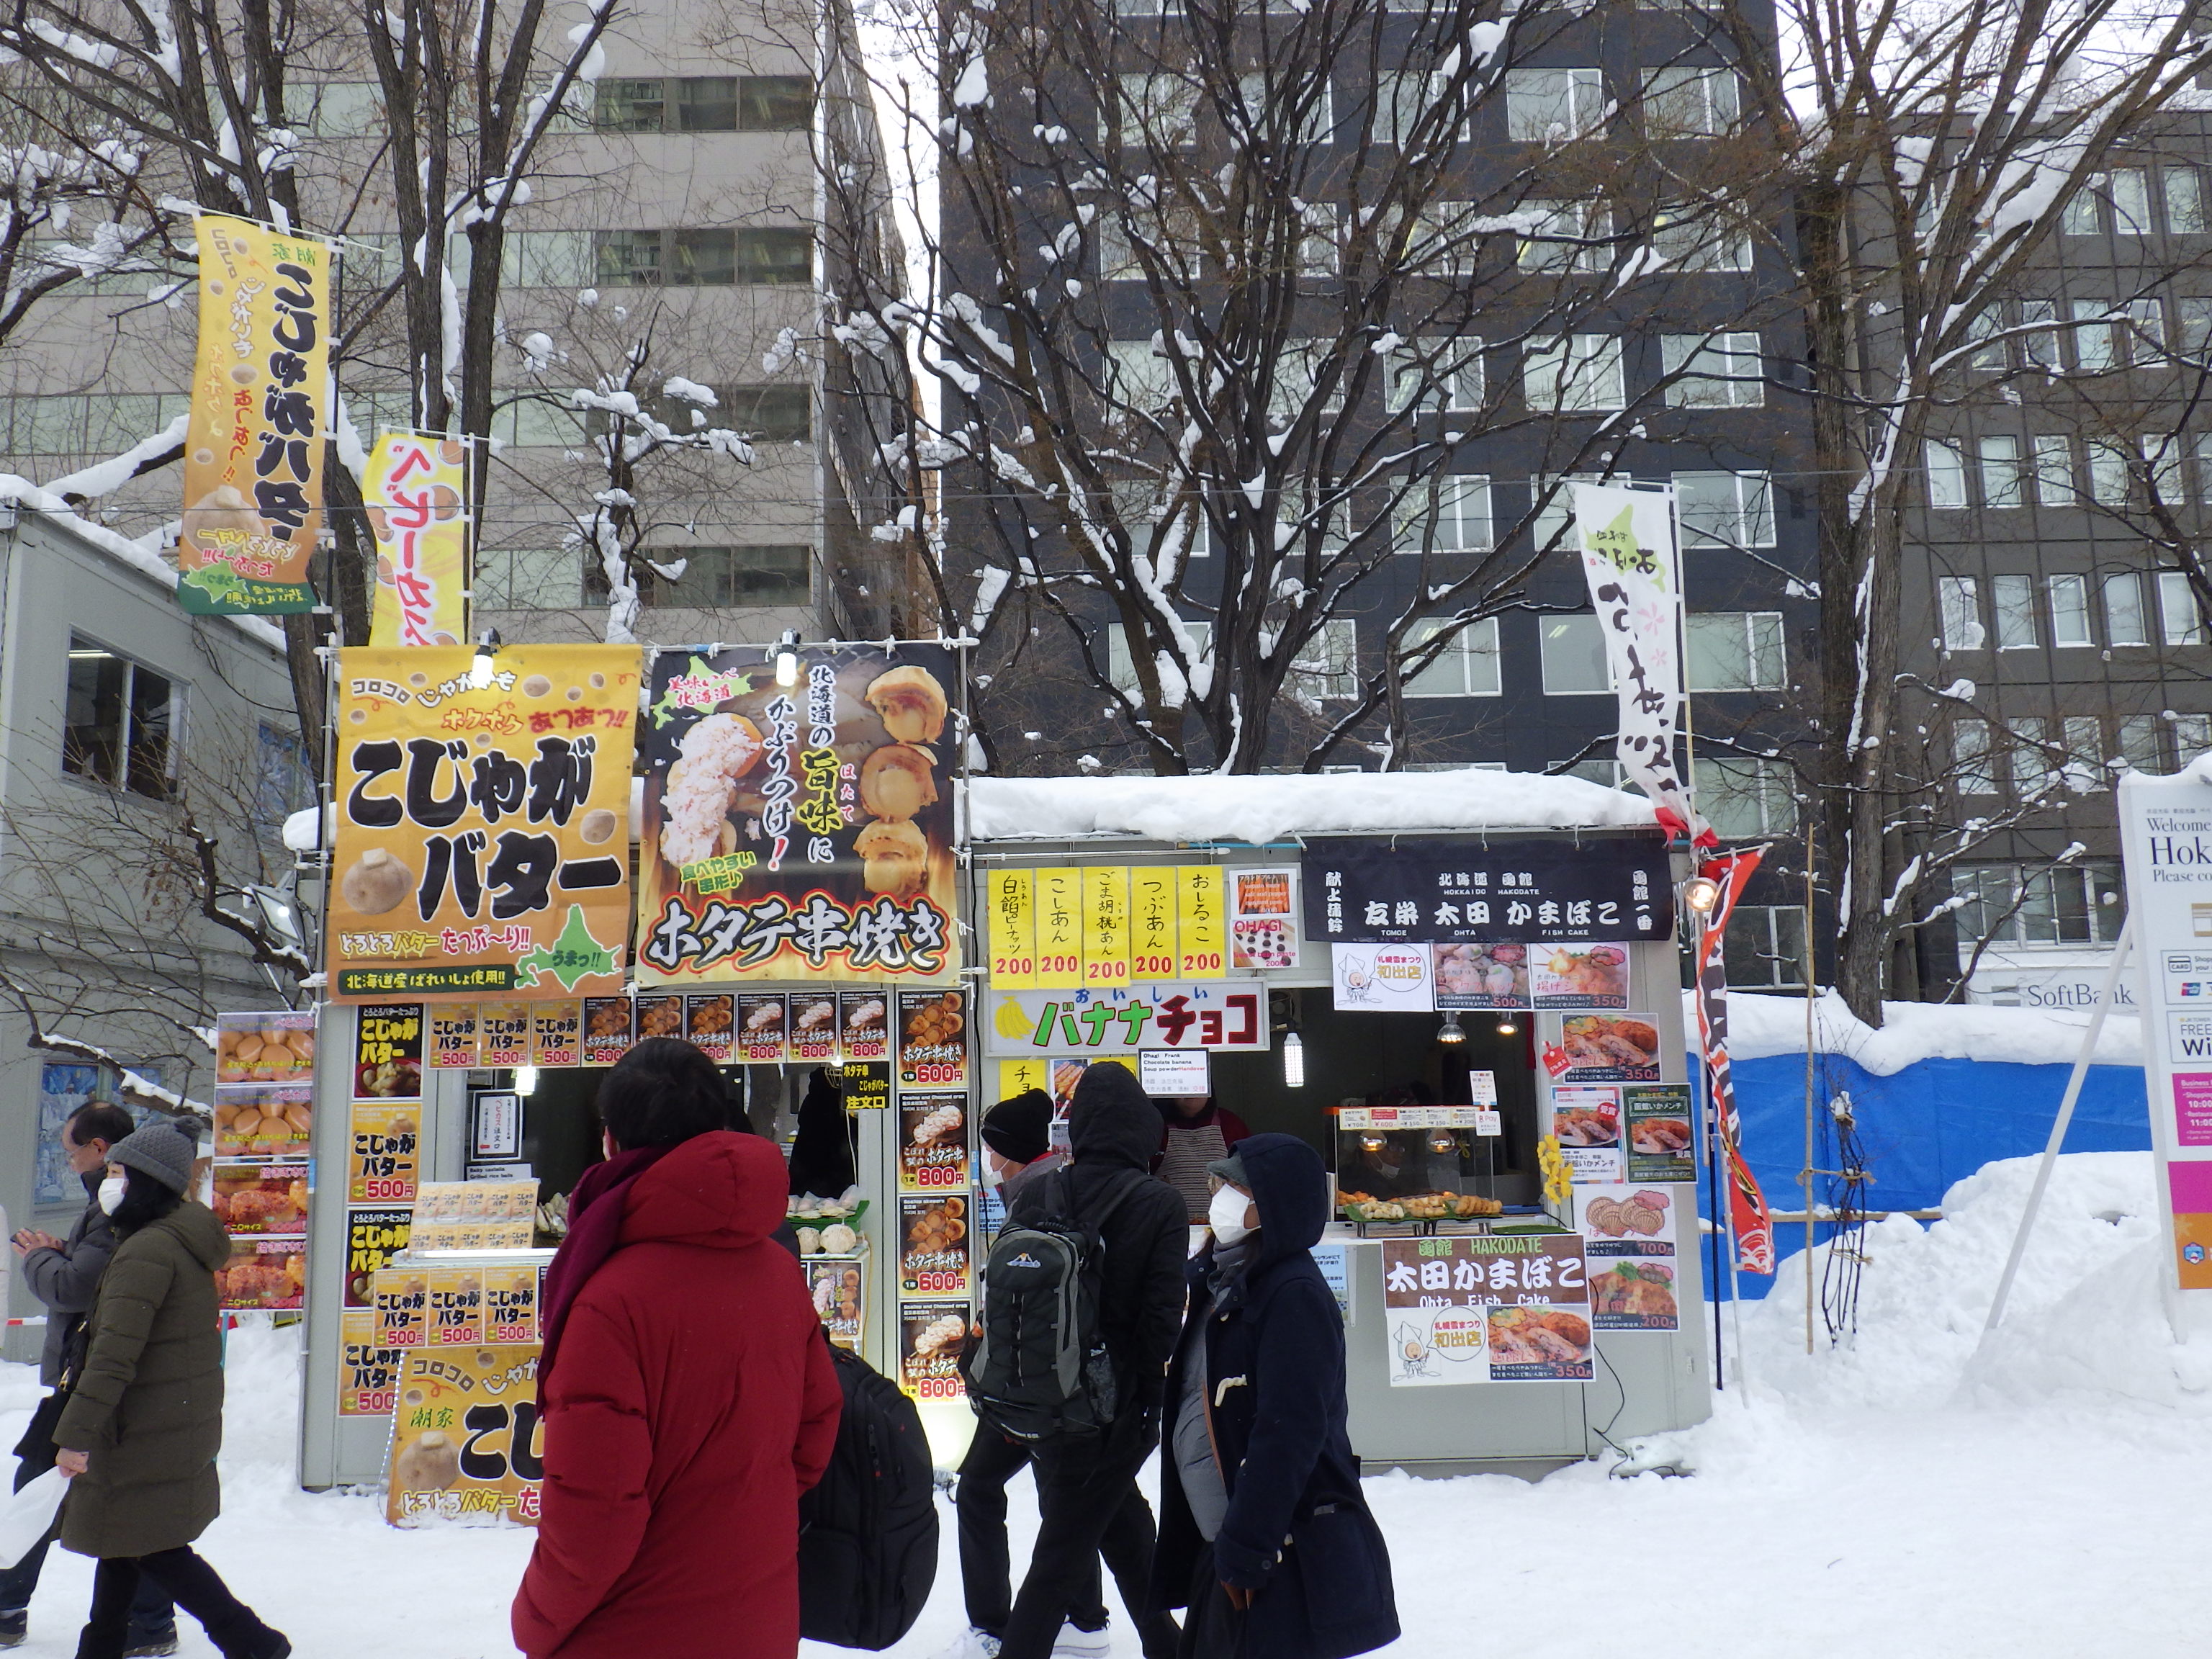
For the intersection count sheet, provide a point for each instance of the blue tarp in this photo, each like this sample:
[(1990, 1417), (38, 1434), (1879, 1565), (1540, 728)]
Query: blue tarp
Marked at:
[(1925, 1127)]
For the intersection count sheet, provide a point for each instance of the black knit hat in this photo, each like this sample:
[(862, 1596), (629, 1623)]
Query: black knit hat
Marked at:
[(1020, 1129), (164, 1150)]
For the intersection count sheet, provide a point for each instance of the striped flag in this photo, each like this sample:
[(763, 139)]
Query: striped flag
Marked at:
[(1747, 1213)]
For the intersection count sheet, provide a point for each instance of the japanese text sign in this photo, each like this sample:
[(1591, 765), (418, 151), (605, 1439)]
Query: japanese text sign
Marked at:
[(1220, 1015), (1498, 1309), (481, 845), (1104, 925), (416, 490), (1370, 892), (466, 1439)]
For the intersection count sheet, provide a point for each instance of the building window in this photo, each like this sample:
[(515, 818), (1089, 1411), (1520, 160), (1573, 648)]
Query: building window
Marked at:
[(1970, 759), (1316, 126), (770, 414), (528, 579), (2130, 202), (706, 103), (2139, 744), (2029, 755), (2092, 335), (1317, 240), (1689, 103), (1725, 509), (632, 104), (1766, 947), (1401, 98), (2003, 485), (717, 577), (2185, 202), (2080, 217), (2124, 623), (706, 258), (1568, 236), (1577, 374), (2181, 622), (2108, 473), (2162, 456), (1573, 652), (774, 103), (1744, 799), (2069, 610), (2192, 737), (1467, 667), (1735, 651), (1452, 517), (1328, 666), (2012, 600), (1138, 379), (120, 721), (2027, 904), (1958, 601), (284, 783), (1158, 112), (1550, 106), (1947, 476), (2084, 744), (1554, 497), (2040, 347), (1438, 373), (1718, 371), (2054, 471), (1694, 239), (1987, 326), (2144, 325), (1122, 668)]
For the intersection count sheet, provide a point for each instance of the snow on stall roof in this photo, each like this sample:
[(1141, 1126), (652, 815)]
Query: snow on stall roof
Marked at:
[(1260, 810), (1762, 1025)]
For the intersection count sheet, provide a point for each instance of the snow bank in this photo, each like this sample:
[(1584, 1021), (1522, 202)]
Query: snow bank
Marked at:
[(1260, 810), (1762, 1025)]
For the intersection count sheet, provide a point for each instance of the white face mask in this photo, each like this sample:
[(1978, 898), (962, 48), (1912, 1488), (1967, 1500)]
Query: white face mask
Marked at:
[(1225, 1215), (111, 1194)]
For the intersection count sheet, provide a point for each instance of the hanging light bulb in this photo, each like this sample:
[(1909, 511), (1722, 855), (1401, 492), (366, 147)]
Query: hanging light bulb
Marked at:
[(1370, 1142), (1440, 1140), (1450, 1033), (1701, 893), (525, 1080), (787, 659), (1294, 1060), (1507, 1025), (480, 666)]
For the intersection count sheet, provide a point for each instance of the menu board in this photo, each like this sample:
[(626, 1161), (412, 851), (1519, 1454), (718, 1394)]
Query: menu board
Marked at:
[(1062, 927), (456, 1306), (607, 1022), (388, 1052), (660, 1016), (1481, 975), (369, 1372), (1604, 1049), (504, 1033), (838, 1286), (1578, 976), (1497, 1309), (512, 1295), (271, 1047), (1263, 918), (864, 1032), (373, 1238), (932, 1335), (1629, 1237), (814, 1027), (763, 1028), (710, 1023), (381, 1159), (1397, 891), (265, 1120), (556, 1033), (453, 1042), (399, 1297), (1662, 1132), (466, 1436), (934, 1246), (932, 1047), (932, 1150)]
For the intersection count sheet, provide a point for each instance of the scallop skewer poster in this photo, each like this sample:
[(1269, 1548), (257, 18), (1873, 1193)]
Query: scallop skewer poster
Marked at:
[(800, 832)]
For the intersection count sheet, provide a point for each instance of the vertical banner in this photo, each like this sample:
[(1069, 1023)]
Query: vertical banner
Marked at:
[(416, 492), (1010, 928), (1627, 542), (1201, 921), (254, 449), (481, 845), (1747, 1213), (1105, 925)]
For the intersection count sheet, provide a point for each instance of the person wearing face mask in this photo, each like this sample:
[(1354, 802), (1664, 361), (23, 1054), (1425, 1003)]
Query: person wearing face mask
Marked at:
[(64, 1275), (139, 1437), (1264, 1534)]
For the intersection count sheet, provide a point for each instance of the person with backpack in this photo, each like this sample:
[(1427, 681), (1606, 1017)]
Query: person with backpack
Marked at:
[(1264, 1534), (689, 1397), (1083, 1295)]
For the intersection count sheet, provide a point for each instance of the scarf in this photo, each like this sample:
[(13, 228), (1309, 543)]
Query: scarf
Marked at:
[(1224, 1273), (594, 1234)]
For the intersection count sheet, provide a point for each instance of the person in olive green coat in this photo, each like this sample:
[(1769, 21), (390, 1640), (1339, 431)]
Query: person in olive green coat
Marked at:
[(139, 1436)]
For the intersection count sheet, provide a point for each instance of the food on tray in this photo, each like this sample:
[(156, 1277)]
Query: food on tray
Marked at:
[(1599, 1042), (838, 1239), (1595, 971), (1582, 1126), (896, 781), (1265, 941), (1538, 1336), (895, 856), (1422, 1206), (1643, 1212), (376, 882), (1644, 1289), (1659, 1137), (695, 800), (943, 1124), (910, 703)]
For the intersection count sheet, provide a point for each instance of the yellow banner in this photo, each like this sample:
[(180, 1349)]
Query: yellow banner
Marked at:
[(1152, 921), (1010, 906), (480, 1401), (254, 449), (1201, 921), (483, 830), (1059, 926), (1105, 924), (416, 490)]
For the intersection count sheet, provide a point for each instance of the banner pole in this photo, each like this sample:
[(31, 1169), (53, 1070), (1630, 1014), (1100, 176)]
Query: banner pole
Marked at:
[(2058, 1126)]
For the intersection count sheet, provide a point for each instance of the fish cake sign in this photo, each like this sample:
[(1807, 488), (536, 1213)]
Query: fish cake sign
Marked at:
[(799, 832), (1374, 892), (482, 843)]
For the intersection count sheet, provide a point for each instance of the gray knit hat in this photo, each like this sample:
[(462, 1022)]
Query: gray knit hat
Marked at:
[(163, 1149)]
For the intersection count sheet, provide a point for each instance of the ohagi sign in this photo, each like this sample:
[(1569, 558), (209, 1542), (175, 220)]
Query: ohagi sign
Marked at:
[(1370, 892)]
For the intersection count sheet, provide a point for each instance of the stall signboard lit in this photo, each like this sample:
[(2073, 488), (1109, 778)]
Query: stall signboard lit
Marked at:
[(481, 843), (2165, 837), (1497, 1309), (1410, 892), (466, 1437), (801, 832), (1223, 1016)]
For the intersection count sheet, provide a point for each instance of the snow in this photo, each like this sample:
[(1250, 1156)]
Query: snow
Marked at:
[(299, 829), (1762, 1025), (1260, 810), (1898, 1493)]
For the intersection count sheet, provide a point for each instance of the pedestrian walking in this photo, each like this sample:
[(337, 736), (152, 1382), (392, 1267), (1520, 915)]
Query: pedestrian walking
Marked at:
[(64, 1274), (1087, 1498), (689, 1396), (1264, 1534), (143, 1421), (1194, 1131)]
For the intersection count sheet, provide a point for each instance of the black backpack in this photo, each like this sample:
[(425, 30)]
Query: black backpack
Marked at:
[(1040, 1369), (868, 1533)]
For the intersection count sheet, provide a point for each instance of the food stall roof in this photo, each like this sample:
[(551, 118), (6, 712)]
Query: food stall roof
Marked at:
[(1260, 810)]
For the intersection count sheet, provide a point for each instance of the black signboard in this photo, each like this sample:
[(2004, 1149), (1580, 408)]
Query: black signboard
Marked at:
[(1438, 892)]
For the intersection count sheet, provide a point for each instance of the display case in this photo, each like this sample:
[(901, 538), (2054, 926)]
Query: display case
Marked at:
[(1428, 1165)]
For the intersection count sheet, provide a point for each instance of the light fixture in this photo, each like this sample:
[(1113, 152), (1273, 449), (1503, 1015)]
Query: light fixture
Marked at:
[(278, 914), (1508, 1026), (480, 665), (1441, 1140), (787, 659), (1451, 1034), (1370, 1142), (525, 1080), (1701, 893), (1294, 1060)]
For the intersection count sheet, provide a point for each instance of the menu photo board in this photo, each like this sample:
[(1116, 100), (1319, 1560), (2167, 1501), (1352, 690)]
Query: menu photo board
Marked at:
[(608, 1034), (456, 1305), (399, 1297), (369, 1372), (466, 1436), (556, 1034), (1661, 1132), (660, 1016), (1586, 1122), (934, 1246), (1494, 1309), (932, 1146), (267, 1120), (864, 1032), (504, 1028), (264, 1273), (1263, 918), (814, 1027), (373, 1238), (382, 1160), (475, 1215), (482, 828), (932, 1044), (278, 1046), (1602, 1048), (763, 1028), (710, 1020), (1628, 1235), (454, 1040), (838, 1287), (932, 1337)]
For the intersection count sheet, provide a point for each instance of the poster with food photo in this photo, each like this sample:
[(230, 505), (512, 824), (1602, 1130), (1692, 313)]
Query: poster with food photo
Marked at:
[(800, 831), (1605, 1048), (814, 1026), (932, 1143), (932, 1040), (1586, 1122), (607, 1023), (369, 1372), (263, 1121), (710, 1021), (556, 1034), (373, 1238), (456, 1303), (1481, 975), (659, 1016), (1628, 1237), (253, 1200), (1540, 1342), (400, 1299), (510, 1301), (478, 1399), (454, 1041), (269, 1274), (388, 1052), (1443, 1298), (838, 1288), (1562, 975), (763, 1028), (864, 1032), (272, 1047), (381, 1159), (932, 1337), (934, 1246), (504, 1033), (1263, 918), (1661, 1140)]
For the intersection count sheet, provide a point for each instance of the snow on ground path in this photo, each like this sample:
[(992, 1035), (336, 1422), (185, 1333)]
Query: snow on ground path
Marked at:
[(1890, 1498)]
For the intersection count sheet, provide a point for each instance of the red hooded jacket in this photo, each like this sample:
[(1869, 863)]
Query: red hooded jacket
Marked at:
[(693, 1401)]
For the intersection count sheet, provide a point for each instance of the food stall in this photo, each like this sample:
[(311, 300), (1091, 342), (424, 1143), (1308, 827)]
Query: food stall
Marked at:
[(1463, 989)]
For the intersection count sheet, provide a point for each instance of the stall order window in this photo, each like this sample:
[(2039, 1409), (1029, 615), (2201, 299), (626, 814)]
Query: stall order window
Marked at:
[(120, 722), (1573, 650)]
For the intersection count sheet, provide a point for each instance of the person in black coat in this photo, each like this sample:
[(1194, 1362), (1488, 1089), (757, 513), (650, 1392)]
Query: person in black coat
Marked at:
[(1264, 1534)]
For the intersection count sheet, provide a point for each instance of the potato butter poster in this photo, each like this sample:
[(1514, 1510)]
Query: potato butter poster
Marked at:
[(798, 832), (254, 447), (482, 830)]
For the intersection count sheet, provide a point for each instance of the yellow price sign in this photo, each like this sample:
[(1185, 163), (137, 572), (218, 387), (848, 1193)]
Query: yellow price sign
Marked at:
[(1201, 922), (1059, 902), (1010, 918), (1152, 921), (1105, 924)]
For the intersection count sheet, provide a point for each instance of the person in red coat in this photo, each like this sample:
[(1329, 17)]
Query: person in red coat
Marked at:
[(689, 1396)]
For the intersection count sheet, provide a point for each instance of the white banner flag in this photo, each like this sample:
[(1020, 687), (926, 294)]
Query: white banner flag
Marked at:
[(1627, 542)]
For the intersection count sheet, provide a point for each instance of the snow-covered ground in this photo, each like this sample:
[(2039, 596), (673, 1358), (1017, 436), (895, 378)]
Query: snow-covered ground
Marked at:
[(1896, 1496)]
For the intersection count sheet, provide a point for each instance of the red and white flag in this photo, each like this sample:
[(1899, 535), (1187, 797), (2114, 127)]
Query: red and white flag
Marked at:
[(1748, 1219)]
